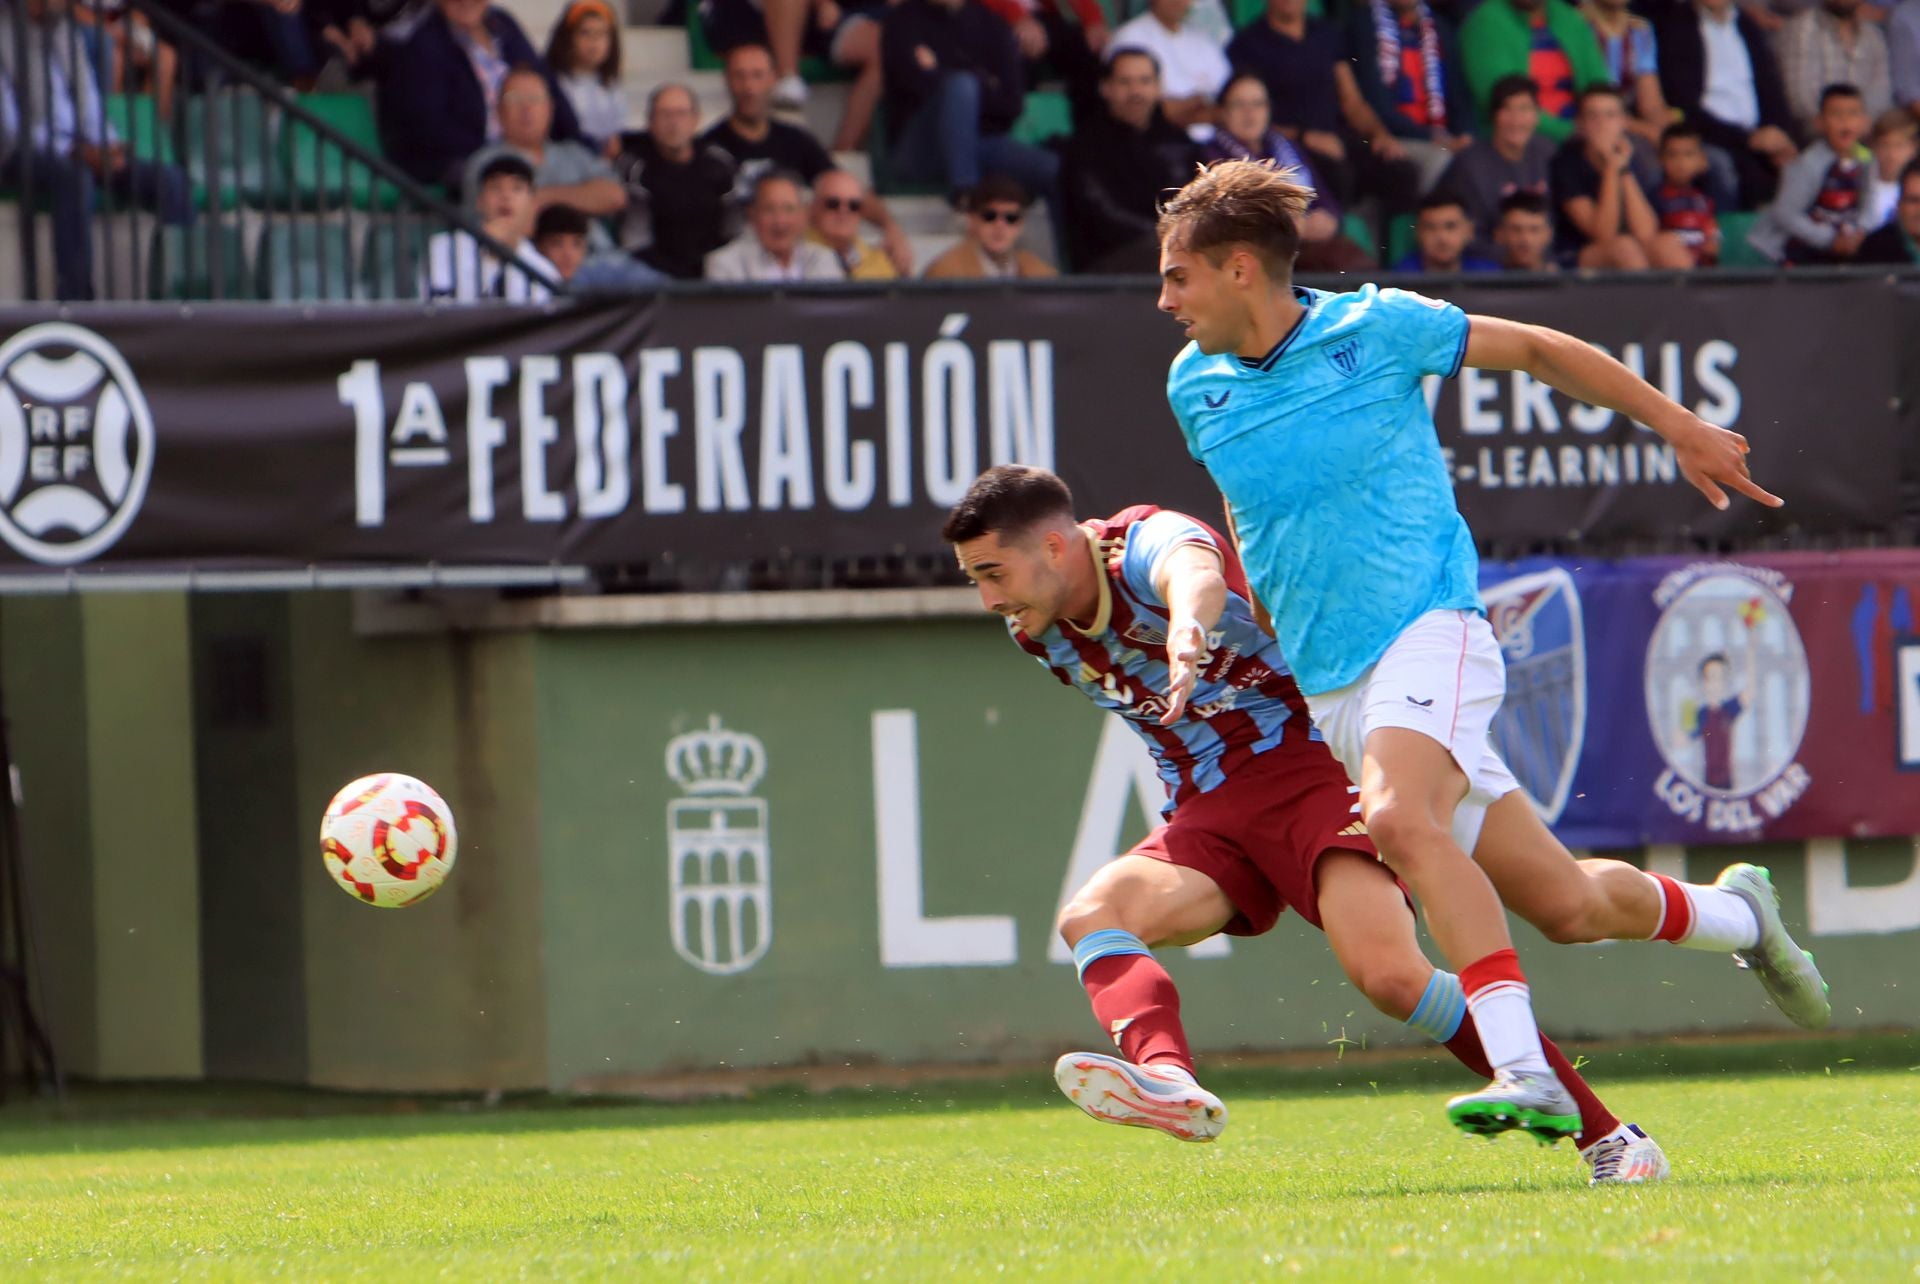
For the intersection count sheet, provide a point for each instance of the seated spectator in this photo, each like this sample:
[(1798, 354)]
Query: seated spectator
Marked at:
[(1547, 41), (1604, 217), (954, 88), (1513, 157), (1245, 133), (1898, 243), (1193, 66), (1633, 62), (362, 34), (1718, 71), (560, 237), (1317, 103), (584, 55), (1895, 141), (564, 172), (759, 143), (124, 51), (1441, 233), (1406, 59), (845, 33), (272, 34), (773, 247), (1066, 38), (1820, 215), (1117, 165), (72, 151), (461, 269), (678, 190), (436, 90), (990, 250), (1832, 43), (833, 223), (1682, 207), (1523, 234), (1903, 54)]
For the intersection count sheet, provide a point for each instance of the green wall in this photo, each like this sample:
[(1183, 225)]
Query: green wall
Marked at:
[(918, 795)]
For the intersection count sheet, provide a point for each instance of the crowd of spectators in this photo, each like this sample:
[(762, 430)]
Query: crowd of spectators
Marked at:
[(1629, 128)]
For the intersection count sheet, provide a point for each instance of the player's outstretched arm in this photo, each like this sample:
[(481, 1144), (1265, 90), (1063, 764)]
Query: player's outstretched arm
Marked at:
[(1710, 457), (1190, 583)]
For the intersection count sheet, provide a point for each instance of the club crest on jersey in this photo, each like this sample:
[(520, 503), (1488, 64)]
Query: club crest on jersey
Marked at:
[(1542, 724), (1345, 356)]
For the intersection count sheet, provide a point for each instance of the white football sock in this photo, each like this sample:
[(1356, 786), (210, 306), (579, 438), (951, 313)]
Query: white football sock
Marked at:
[(1722, 920), (1503, 1013)]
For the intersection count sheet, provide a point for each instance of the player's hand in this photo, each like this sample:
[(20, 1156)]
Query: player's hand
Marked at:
[(1186, 652), (1712, 458)]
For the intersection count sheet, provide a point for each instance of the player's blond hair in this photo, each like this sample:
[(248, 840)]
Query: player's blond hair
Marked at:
[(1251, 203)]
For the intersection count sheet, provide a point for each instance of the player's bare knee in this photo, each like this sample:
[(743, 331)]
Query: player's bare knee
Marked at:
[(1407, 836), (1392, 987)]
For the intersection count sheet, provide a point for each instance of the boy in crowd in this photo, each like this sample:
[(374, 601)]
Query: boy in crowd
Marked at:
[(1524, 233), (1823, 210), (1441, 233), (1683, 208)]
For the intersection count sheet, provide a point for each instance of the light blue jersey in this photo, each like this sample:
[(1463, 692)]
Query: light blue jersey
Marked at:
[(1328, 454)]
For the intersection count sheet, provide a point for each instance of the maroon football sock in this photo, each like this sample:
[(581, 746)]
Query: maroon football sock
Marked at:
[(1136, 1002)]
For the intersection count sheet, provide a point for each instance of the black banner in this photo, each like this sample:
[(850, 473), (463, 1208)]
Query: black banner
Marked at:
[(713, 428)]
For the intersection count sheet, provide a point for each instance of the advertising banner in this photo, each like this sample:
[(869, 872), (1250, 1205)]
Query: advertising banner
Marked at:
[(1662, 700), (701, 430)]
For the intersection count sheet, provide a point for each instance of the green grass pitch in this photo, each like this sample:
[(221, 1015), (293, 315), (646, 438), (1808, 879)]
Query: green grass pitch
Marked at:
[(1795, 1161)]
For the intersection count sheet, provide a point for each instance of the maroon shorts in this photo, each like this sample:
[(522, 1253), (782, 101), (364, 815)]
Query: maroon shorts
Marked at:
[(1259, 834)]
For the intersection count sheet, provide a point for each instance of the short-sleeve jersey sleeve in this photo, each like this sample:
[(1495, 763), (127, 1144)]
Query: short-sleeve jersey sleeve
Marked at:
[(1430, 334), (1148, 543)]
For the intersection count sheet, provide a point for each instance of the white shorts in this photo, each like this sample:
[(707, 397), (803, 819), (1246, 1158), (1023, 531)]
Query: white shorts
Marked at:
[(1443, 677)]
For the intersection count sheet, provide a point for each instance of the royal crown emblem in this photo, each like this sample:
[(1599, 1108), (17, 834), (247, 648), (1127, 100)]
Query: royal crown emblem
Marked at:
[(720, 877), (716, 761)]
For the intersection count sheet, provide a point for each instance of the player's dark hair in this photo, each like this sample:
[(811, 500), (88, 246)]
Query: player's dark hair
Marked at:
[(1439, 199), (1009, 499), (1679, 131), (1525, 203), (1507, 87), (1717, 657), (1839, 89), (1251, 203)]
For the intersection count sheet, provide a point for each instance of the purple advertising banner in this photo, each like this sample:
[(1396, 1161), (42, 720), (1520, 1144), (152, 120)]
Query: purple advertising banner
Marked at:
[(1660, 700)]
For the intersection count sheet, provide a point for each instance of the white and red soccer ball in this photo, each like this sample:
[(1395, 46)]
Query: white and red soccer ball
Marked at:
[(388, 840)]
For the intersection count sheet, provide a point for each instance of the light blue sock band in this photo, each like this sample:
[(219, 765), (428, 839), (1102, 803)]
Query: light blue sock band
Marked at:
[(1106, 943), (1442, 1008)]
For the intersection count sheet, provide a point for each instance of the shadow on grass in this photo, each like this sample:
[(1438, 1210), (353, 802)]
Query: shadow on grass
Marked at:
[(105, 1118)]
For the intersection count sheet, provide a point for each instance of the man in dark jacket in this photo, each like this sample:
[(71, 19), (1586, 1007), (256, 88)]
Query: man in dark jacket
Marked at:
[(1117, 166), (1718, 70), (438, 90), (954, 88), (1406, 60), (1898, 242)]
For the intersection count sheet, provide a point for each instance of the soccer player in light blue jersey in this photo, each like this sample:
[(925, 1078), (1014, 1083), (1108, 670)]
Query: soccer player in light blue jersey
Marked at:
[(1306, 408)]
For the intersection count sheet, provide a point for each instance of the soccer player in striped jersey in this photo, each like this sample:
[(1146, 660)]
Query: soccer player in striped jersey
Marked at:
[(1148, 614), (1307, 410)]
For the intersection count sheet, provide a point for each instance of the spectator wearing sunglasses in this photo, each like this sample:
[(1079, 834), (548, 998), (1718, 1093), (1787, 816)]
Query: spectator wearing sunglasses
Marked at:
[(996, 212), (833, 223)]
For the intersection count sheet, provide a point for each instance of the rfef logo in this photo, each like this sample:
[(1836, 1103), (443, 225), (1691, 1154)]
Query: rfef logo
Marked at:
[(76, 444)]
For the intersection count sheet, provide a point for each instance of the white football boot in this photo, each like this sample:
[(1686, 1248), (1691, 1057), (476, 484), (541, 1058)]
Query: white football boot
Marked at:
[(1534, 1103), (1783, 967), (1150, 1096), (1625, 1157)]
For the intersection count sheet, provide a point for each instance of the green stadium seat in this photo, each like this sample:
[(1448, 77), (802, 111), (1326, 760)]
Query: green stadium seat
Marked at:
[(1046, 114), (1242, 12), (321, 175), (392, 261), (206, 261), (227, 147), (1399, 238), (1359, 231), (1734, 250), (306, 261), (137, 120)]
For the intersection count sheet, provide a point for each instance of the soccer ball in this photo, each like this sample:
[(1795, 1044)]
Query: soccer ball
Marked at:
[(389, 840)]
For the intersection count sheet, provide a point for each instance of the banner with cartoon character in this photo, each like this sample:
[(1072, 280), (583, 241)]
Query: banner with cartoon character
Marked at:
[(1655, 700)]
